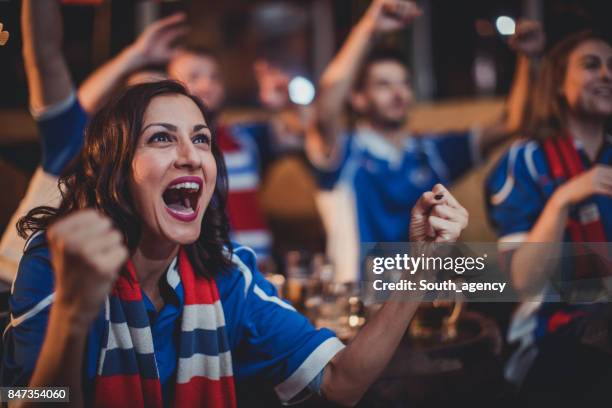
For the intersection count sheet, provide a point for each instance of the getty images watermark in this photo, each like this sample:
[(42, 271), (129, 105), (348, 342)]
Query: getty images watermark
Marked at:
[(480, 272), (427, 264)]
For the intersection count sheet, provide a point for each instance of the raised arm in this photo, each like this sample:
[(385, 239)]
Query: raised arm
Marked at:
[(156, 45), (532, 264), (339, 77), (87, 254), (528, 42), (48, 77), (437, 217)]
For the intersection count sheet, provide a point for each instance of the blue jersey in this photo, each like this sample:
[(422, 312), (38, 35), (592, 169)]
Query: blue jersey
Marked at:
[(61, 130), (369, 194), (520, 185), (517, 191), (271, 344)]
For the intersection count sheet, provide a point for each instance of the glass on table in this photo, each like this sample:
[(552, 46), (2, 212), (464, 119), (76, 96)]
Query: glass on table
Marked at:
[(298, 277), (306, 274), (338, 308), (437, 320)]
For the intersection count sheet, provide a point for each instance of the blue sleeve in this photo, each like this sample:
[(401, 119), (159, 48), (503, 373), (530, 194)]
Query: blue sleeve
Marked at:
[(29, 308), (61, 136), (280, 347), (451, 155), (514, 199), (326, 175)]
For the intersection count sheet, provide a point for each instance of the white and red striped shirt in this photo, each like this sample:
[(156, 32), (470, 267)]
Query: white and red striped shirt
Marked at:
[(248, 225)]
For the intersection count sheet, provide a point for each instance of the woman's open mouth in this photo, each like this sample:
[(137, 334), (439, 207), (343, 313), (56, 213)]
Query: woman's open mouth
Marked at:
[(181, 198)]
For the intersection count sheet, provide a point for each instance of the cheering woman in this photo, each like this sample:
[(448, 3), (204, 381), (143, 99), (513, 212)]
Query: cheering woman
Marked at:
[(557, 187), (131, 294)]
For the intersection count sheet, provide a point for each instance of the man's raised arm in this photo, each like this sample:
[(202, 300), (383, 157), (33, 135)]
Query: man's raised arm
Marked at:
[(339, 77), (528, 42), (49, 80)]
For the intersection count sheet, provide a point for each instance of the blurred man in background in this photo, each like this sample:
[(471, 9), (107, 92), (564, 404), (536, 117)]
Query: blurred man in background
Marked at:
[(373, 171)]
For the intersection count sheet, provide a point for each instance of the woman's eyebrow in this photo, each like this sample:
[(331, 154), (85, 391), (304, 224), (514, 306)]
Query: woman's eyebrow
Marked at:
[(200, 127), (166, 125), (589, 57)]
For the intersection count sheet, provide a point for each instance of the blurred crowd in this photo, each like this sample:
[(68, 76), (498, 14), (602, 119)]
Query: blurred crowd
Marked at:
[(376, 182)]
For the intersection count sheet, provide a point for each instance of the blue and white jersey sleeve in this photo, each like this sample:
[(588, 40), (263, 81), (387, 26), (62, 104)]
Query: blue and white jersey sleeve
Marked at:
[(29, 307), (514, 198), (61, 128), (451, 155), (279, 345)]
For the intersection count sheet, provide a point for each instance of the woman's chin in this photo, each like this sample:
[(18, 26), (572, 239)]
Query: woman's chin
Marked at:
[(178, 231), (599, 107), (605, 110), (185, 238), (182, 235)]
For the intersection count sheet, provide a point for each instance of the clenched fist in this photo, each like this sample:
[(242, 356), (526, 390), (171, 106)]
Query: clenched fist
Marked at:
[(437, 217), (87, 253), (529, 38), (391, 15), (595, 181)]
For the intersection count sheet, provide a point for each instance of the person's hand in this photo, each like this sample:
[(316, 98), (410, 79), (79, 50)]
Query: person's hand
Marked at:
[(391, 15), (157, 44), (4, 35), (597, 180), (273, 85), (437, 217), (528, 39), (87, 254)]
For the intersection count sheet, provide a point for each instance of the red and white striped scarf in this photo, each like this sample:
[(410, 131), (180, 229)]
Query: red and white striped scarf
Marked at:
[(565, 162), (584, 224), (127, 374)]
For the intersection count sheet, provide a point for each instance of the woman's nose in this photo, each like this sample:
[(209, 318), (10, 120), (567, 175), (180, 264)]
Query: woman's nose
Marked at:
[(606, 72), (187, 156)]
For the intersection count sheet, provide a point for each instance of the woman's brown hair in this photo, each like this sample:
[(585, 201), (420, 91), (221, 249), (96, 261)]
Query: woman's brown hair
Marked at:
[(548, 106), (98, 178)]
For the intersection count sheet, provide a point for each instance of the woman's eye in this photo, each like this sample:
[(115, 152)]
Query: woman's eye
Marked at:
[(161, 137), (592, 63), (201, 139)]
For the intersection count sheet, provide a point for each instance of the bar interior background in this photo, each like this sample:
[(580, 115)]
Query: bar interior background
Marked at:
[(444, 48)]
